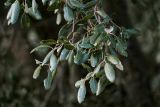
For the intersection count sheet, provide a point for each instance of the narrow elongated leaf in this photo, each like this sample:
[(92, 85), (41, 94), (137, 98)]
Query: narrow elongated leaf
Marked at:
[(93, 85), (46, 59), (94, 60), (71, 57), (47, 82), (81, 93), (109, 71), (97, 69), (15, 12), (34, 6), (44, 1), (25, 20), (102, 83), (113, 59), (37, 72), (53, 62), (39, 47), (59, 18), (120, 66), (77, 3), (36, 15), (63, 55)]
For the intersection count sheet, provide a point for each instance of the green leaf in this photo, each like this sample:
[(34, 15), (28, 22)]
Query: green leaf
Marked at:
[(95, 57), (13, 13), (68, 14), (8, 2), (37, 72), (93, 38), (71, 57), (99, 28), (77, 3), (53, 4), (65, 30), (97, 69), (47, 82), (34, 6), (36, 15), (25, 20), (48, 42), (87, 67), (102, 83), (93, 85), (53, 62), (59, 18), (109, 72), (39, 47), (86, 43), (46, 59), (113, 59), (121, 47), (120, 66), (68, 46), (63, 55), (103, 14), (90, 4), (81, 93), (81, 57)]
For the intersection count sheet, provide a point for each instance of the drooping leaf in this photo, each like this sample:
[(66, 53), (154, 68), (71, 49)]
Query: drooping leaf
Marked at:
[(47, 82), (121, 47), (59, 18), (97, 69), (93, 85), (93, 60), (53, 62), (63, 55), (34, 6), (25, 20), (109, 72), (46, 59), (102, 83), (36, 15), (71, 57), (37, 72), (81, 93), (120, 66), (13, 13)]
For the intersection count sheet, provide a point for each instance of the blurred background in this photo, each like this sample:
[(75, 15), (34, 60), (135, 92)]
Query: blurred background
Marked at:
[(138, 86)]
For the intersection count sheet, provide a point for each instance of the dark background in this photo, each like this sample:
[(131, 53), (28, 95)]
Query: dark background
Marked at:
[(138, 86)]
